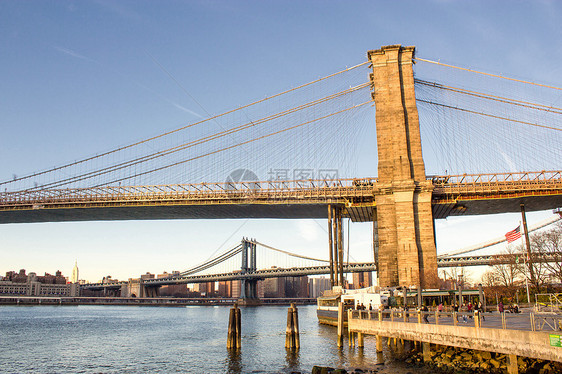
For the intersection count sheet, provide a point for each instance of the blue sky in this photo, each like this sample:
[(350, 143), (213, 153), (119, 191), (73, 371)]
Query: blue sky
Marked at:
[(80, 77)]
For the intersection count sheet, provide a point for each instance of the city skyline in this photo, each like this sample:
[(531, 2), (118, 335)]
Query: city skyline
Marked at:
[(84, 77)]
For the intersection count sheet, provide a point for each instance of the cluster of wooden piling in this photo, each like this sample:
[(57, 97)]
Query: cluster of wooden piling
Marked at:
[(234, 339), (292, 338)]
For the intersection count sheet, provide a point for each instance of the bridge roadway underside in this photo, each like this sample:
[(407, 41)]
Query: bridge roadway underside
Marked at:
[(443, 206)]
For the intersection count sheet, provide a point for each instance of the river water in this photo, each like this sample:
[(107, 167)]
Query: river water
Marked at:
[(126, 339)]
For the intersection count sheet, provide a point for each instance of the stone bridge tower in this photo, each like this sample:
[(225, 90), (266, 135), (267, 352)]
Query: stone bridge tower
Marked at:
[(407, 254)]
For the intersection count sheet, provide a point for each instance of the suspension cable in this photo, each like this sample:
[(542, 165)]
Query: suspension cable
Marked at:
[(206, 265), (234, 145), (501, 99), (200, 141), (488, 74), (288, 253), (489, 115), (181, 128)]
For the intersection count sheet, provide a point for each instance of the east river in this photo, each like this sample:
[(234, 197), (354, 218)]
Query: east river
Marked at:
[(125, 339)]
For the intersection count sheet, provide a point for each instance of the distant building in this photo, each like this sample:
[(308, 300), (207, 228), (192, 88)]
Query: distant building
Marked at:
[(286, 287), (108, 280), (147, 276), (74, 277), (362, 280), (274, 287), (205, 289), (21, 277), (317, 286), (175, 290), (38, 286)]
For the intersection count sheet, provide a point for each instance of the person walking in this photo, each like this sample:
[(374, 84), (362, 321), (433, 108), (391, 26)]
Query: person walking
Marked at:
[(480, 310), (456, 311), (425, 313)]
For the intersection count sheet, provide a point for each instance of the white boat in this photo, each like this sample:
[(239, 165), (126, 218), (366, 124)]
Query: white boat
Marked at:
[(327, 311)]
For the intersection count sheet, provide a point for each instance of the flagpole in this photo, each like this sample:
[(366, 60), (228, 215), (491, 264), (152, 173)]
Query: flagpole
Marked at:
[(525, 273), (528, 243)]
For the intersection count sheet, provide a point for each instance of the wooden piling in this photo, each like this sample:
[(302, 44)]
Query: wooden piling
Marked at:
[(360, 340), (289, 332), (238, 328), (512, 367), (340, 324), (296, 326), (426, 352), (230, 340), (234, 338), (292, 337)]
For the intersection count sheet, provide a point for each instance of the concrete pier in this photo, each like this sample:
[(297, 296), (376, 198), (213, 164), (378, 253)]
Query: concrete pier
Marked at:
[(544, 345)]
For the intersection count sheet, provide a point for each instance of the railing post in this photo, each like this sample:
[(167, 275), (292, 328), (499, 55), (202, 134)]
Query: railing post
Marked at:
[(391, 315), (419, 316), (532, 316), (504, 322), (477, 319), (455, 319), (436, 316)]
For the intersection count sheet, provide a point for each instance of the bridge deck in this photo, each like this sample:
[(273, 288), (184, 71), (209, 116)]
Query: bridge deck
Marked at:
[(452, 195)]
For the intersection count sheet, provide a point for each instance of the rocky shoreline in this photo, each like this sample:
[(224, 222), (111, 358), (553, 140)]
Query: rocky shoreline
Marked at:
[(459, 361)]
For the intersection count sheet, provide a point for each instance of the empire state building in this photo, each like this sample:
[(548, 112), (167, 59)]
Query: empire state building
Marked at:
[(74, 276)]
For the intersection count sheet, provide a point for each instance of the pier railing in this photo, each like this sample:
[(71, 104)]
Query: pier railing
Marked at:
[(505, 320)]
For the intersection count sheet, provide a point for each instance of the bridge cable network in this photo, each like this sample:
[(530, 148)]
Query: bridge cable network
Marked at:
[(308, 110)]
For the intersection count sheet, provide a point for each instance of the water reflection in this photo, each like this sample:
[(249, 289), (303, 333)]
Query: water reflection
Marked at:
[(234, 365), (293, 359)]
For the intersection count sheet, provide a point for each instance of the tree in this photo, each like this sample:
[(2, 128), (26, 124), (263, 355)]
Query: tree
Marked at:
[(549, 243), (457, 276), (505, 276)]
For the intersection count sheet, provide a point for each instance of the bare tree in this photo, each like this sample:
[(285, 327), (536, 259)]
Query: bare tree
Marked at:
[(505, 276), (510, 271), (548, 244), (458, 276)]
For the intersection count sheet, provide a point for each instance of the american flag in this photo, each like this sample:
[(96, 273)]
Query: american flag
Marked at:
[(513, 235)]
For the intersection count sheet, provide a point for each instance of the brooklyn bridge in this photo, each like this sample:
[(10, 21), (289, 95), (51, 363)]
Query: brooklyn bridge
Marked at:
[(497, 147)]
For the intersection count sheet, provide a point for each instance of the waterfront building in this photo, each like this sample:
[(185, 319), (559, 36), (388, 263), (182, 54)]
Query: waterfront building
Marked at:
[(33, 286)]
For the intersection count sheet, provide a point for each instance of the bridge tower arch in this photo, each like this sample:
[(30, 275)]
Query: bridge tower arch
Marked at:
[(406, 248), (249, 287)]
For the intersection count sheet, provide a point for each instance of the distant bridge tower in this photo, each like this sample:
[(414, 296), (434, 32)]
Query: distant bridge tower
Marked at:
[(249, 287), (406, 248)]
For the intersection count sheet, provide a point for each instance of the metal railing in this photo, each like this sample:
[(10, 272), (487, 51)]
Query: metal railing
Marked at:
[(476, 319), (197, 191), (545, 182)]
